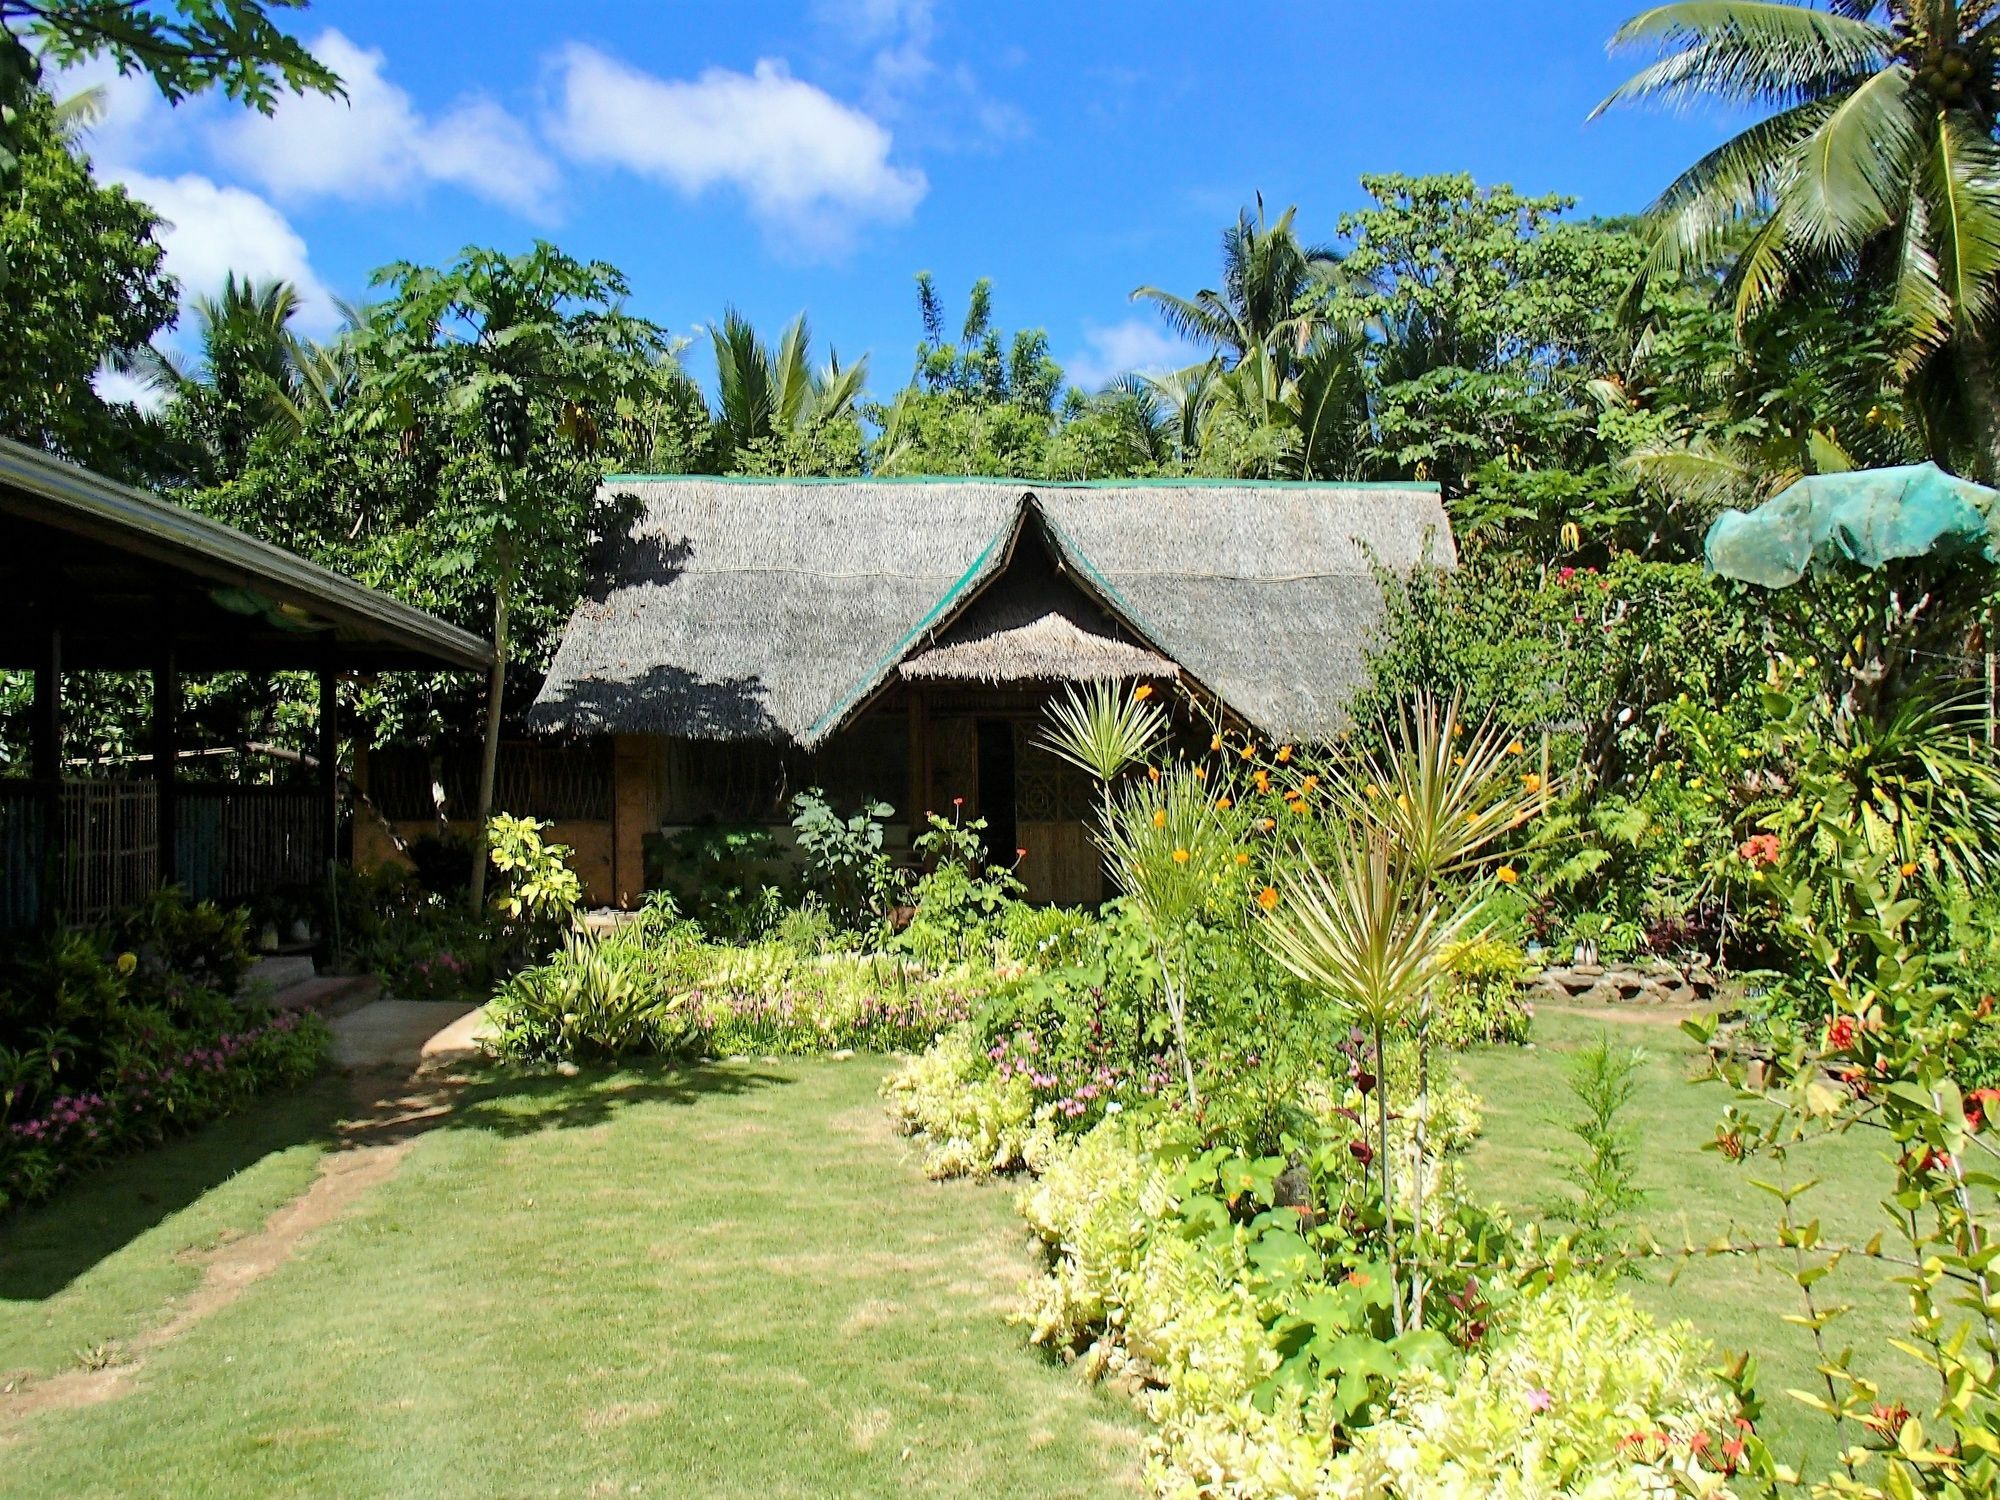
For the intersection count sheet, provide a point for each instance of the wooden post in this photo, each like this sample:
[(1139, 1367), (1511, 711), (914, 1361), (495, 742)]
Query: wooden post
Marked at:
[(166, 759), (45, 754), (329, 767), (919, 767)]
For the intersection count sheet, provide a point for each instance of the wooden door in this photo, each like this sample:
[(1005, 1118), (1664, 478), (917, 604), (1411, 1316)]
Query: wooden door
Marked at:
[(1052, 802)]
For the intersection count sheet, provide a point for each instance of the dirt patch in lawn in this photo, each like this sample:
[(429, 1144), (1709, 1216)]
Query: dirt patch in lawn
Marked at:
[(391, 1111)]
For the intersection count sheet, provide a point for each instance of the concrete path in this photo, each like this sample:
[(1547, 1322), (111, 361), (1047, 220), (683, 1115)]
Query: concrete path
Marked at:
[(399, 1035)]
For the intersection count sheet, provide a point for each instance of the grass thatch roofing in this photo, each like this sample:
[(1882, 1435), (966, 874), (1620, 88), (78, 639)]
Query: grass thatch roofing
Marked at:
[(1033, 625), (776, 609)]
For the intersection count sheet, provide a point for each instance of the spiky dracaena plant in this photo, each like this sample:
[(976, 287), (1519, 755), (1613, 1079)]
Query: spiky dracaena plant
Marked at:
[(1356, 930), (1417, 822), (1105, 730), (1168, 841), (1172, 844)]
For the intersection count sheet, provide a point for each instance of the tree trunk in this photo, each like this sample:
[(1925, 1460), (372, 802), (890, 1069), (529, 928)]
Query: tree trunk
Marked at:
[(1982, 400), (489, 761)]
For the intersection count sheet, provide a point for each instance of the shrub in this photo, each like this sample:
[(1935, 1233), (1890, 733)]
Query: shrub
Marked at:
[(1483, 1000), (114, 1038), (971, 1121), (589, 1002), (1580, 1394)]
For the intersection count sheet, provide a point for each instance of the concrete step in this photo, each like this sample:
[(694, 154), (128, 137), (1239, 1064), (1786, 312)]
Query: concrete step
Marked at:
[(331, 995), (273, 975)]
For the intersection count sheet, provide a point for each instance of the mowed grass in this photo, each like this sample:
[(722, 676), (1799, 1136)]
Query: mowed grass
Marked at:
[(1694, 1196), (730, 1281), (727, 1281)]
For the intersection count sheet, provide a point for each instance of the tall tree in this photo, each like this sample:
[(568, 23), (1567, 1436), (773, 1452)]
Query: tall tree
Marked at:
[(247, 373), (1271, 292), (1876, 160), (512, 348), (184, 46), (85, 279)]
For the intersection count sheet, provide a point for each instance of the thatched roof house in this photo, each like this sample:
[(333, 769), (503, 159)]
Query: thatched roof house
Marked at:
[(902, 636)]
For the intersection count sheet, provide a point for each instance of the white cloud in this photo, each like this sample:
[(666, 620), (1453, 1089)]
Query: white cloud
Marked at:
[(116, 386), (906, 81), (212, 230), (807, 164), (1135, 346), (376, 144)]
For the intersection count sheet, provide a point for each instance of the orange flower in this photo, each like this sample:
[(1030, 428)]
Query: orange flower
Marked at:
[(1517, 748), (1248, 750), (1301, 809), (1181, 856), (1268, 824), (1507, 874), (1159, 817), (1909, 868), (1142, 693), (1153, 774), (1531, 782), (1215, 744), (1242, 859), (1200, 774), (1308, 784), (1223, 804), (1284, 754), (1263, 779), (1268, 898)]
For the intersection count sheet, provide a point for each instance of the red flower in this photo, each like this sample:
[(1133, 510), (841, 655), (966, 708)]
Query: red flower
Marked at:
[(1760, 849), (1840, 1034)]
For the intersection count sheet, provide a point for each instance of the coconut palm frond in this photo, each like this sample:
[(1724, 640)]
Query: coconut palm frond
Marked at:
[(1748, 52)]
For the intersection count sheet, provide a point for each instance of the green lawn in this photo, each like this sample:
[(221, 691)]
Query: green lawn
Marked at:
[(733, 1281), (1695, 1196), (730, 1281)]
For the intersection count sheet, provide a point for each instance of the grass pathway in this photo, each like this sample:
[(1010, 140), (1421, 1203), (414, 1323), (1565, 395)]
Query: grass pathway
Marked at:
[(730, 1281)]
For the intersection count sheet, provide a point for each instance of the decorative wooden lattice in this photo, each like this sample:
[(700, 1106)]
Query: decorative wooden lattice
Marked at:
[(235, 842), (566, 783), (1046, 788)]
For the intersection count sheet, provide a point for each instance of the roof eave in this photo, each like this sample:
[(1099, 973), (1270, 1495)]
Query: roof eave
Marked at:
[(76, 500)]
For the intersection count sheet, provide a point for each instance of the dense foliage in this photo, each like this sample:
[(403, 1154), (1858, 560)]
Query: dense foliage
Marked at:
[(115, 1038)]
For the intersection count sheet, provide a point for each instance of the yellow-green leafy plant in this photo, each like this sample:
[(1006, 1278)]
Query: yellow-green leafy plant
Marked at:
[(1104, 730), (538, 886), (1579, 1394)]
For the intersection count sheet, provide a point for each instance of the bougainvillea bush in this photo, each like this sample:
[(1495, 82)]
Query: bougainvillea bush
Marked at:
[(116, 1038)]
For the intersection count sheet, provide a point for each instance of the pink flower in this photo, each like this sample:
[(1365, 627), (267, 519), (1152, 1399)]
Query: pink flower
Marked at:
[(1540, 1400)]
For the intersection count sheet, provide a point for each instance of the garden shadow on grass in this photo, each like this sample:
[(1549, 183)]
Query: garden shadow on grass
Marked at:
[(509, 1103), (46, 1247)]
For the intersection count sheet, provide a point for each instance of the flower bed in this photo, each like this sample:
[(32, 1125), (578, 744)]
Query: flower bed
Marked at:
[(115, 1039)]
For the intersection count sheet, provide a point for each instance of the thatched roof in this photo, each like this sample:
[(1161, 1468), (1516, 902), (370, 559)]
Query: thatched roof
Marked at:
[(777, 609), (1033, 625)]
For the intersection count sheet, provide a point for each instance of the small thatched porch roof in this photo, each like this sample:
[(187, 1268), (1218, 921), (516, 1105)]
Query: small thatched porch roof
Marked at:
[(1034, 625), (779, 609)]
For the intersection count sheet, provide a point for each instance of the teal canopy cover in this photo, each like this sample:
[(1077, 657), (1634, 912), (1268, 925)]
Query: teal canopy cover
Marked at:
[(1869, 517)]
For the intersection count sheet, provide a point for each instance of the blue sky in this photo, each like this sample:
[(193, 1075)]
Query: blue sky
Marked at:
[(816, 155)]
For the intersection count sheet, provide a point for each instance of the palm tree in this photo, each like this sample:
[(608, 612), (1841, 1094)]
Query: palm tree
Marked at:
[(1270, 295), (1878, 162), (764, 391), (246, 374)]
